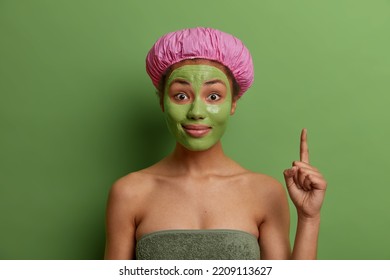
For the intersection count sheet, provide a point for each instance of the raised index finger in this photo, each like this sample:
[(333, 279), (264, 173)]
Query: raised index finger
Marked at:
[(304, 150)]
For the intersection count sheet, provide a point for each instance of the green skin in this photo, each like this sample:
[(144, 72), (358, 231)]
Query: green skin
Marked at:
[(198, 108)]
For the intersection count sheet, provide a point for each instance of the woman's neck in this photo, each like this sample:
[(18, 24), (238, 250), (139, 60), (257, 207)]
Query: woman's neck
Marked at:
[(210, 161)]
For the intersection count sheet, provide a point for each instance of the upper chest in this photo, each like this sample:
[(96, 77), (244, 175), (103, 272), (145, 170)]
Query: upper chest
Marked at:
[(207, 203), (203, 192)]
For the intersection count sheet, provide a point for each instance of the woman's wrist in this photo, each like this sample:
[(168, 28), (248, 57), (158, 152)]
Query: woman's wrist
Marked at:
[(312, 219)]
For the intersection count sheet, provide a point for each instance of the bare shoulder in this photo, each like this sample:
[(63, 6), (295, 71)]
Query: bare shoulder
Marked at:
[(267, 187), (124, 204), (132, 187), (263, 181)]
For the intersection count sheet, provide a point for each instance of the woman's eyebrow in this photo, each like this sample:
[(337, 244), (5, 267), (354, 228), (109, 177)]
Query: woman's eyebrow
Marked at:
[(216, 81), (180, 81)]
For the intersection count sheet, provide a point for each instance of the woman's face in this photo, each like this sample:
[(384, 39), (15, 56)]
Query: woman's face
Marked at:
[(197, 105)]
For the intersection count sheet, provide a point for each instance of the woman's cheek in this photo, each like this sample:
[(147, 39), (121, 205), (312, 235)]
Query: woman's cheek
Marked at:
[(213, 109), (174, 116), (219, 113), (177, 112)]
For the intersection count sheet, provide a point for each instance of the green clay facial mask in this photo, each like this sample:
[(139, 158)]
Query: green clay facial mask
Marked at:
[(197, 105)]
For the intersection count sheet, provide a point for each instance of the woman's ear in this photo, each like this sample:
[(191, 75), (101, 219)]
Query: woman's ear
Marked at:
[(161, 100), (234, 105)]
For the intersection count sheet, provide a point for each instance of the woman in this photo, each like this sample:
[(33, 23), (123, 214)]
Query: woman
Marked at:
[(197, 203)]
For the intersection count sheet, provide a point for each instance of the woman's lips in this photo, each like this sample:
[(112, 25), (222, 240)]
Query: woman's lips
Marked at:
[(196, 130)]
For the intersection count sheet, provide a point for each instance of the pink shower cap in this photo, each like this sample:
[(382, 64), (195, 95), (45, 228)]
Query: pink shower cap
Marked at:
[(206, 43)]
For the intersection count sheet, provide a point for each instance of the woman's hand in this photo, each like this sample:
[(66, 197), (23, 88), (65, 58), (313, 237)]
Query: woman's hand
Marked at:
[(306, 185)]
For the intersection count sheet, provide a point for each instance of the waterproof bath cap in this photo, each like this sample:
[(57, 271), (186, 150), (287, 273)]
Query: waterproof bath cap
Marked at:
[(206, 43)]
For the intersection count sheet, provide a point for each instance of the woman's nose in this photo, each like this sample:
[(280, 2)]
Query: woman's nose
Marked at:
[(197, 110)]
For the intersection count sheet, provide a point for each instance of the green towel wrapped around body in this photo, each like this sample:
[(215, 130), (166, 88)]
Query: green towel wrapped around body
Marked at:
[(209, 244)]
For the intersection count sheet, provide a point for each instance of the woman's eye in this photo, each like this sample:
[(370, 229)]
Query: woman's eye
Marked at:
[(181, 96), (214, 97)]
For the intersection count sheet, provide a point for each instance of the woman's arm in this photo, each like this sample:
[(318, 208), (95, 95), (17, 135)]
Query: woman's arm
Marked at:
[(120, 224), (306, 187), (274, 231), (306, 239)]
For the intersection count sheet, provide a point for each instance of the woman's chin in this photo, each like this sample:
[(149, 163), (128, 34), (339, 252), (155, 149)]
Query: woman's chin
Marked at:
[(198, 146)]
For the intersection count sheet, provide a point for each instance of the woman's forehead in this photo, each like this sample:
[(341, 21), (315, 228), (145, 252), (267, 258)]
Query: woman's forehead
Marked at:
[(199, 61), (198, 74)]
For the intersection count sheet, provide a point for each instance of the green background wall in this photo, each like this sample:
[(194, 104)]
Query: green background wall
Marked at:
[(78, 111)]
